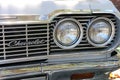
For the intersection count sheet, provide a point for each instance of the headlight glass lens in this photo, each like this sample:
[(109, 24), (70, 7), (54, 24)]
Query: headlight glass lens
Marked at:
[(67, 33), (100, 31)]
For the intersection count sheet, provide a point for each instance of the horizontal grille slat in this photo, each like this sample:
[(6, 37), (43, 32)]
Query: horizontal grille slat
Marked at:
[(74, 49), (83, 41), (15, 51), (33, 37), (15, 39), (75, 16), (36, 53), (18, 47), (37, 26), (1, 56), (18, 27), (38, 34), (15, 32), (12, 30), (10, 55), (40, 49), (43, 30), (84, 20), (80, 45), (1, 53), (12, 36), (25, 38)]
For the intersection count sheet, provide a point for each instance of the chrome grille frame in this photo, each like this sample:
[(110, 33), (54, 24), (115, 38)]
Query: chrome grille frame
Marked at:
[(50, 46)]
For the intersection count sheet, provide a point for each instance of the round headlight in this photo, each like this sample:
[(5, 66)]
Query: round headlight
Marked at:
[(67, 33), (100, 32)]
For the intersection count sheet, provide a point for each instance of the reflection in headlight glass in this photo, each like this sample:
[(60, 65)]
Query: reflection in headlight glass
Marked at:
[(100, 31), (67, 33)]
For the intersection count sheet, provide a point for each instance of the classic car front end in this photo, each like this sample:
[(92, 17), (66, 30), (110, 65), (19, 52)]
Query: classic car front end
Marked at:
[(58, 39)]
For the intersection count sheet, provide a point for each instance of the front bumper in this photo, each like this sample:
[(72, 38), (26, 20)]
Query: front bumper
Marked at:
[(58, 71)]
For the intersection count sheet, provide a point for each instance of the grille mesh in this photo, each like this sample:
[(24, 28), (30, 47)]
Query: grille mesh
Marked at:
[(84, 20), (21, 34)]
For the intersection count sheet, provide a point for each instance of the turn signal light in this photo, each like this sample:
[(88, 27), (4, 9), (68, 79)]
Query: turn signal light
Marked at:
[(82, 76)]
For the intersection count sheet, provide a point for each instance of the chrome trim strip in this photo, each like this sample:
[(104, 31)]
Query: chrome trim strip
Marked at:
[(23, 22), (7, 17)]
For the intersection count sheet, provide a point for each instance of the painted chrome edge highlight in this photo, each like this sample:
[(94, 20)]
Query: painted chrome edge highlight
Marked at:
[(112, 32), (79, 38)]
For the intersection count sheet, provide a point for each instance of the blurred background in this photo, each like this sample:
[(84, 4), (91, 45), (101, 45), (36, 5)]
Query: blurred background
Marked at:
[(117, 3)]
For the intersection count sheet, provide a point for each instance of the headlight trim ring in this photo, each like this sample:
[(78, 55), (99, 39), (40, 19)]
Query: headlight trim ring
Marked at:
[(79, 37), (111, 36)]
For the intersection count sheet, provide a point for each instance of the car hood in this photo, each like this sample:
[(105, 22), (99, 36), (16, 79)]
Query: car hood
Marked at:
[(40, 6), (48, 8)]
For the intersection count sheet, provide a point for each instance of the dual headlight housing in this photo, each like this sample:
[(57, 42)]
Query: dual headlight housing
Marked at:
[(68, 32)]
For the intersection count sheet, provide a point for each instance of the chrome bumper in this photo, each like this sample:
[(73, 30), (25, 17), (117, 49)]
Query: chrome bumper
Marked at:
[(52, 70)]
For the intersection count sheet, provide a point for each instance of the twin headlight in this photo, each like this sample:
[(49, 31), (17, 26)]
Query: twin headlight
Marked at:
[(100, 32), (68, 32)]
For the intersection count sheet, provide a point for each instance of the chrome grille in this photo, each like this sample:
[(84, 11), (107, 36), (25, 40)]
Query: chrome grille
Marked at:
[(30, 32), (25, 33), (84, 19)]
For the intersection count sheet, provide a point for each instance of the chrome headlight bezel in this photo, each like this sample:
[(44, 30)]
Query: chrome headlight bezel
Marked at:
[(111, 36), (80, 32)]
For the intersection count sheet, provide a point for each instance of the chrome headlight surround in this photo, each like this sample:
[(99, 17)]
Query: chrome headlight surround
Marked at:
[(112, 26), (77, 40)]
